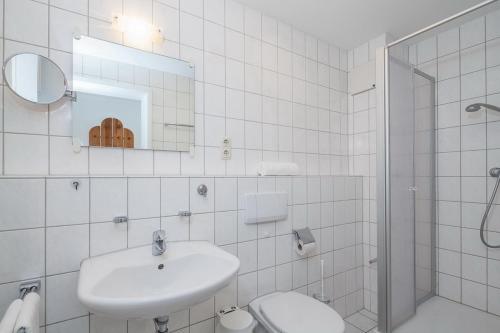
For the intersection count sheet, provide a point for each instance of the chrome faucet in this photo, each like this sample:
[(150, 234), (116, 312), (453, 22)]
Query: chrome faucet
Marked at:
[(159, 242)]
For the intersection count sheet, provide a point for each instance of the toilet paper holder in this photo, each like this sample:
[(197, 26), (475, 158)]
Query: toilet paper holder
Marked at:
[(303, 236)]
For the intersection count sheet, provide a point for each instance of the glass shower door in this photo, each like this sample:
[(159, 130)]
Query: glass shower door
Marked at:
[(406, 272), (424, 170), (402, 211)]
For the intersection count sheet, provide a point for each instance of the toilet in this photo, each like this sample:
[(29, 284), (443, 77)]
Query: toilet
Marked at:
[(291, 312)]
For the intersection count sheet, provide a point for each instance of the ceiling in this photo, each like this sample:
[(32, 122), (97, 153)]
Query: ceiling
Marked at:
[(350, 23)]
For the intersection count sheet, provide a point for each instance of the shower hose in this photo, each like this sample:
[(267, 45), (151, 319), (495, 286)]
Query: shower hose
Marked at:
[(494, 172)]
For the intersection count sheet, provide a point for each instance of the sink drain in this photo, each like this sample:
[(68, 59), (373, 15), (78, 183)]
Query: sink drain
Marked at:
[(161, 266)]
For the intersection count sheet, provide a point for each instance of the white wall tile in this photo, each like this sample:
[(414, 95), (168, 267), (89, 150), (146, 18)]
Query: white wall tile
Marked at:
[(21, 150), (78, 325), (176, 195), (140, 232), (167, 163), (25, 258), (108, 161), (269, 30), (22, 203), (202, 227), (143, 197), (107, 237), (191, 30), (66, 248), (194, 7), (448, 42), (66, 204), (493, 300), (472, 33), (234, 15), (266, 252), (450, 287), (62, 301), (247, 288), (247, 253), (138, 162), (226, 227), (63, 26), (214, 11), (108, 199), (177, 228), (24, 117), (65, 161), (200, 203), (225, 194), (31, 28), (253, 22), (474, 294)]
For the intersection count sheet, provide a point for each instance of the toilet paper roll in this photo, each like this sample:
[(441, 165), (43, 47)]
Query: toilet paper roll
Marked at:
[(304, 249)]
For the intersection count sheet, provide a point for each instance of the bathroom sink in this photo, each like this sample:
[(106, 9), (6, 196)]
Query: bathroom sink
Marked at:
[(133, 283)]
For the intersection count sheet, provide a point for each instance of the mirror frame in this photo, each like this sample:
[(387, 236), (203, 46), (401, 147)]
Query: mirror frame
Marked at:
[(67, 92)]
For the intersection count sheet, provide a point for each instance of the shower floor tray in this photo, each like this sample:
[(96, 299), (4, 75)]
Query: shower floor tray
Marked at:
[(440, 315)]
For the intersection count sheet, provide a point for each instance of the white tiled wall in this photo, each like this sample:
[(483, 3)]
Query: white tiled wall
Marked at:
[(47, 227), (278, 93), (362, 131), (465, 61)]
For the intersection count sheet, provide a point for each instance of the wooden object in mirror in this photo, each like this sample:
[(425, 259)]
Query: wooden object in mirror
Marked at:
[(111, 133)]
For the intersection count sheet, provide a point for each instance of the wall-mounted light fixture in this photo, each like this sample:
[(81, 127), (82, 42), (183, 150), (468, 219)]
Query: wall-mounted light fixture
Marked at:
[(137, 29)]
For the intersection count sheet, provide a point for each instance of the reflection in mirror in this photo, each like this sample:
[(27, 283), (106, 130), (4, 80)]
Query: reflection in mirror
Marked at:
[(131, 98), (35, 78)]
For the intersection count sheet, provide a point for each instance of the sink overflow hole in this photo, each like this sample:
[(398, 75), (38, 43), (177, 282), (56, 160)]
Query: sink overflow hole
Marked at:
[(161, 266)]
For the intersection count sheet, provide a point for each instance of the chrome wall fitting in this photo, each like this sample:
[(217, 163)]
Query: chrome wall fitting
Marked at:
[(120, 219), (227, 310), (495, 172), (322, 298), (28, 287), (161, 324), (202, 190), (184, 213)]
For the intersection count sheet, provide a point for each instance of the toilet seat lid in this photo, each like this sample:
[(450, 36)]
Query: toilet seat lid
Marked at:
[(292, 312)]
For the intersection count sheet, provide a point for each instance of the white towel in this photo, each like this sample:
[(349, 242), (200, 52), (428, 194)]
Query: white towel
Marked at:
[(278, 169), (28, 320), (9, 319)]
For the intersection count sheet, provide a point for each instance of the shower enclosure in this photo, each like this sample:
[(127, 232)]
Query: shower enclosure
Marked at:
[(410, 252), (438, 137)]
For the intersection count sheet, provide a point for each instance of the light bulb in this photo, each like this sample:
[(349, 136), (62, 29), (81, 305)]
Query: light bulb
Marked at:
[(138, 30)]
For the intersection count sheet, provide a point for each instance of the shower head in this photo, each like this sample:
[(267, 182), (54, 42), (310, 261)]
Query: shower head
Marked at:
[(477, 106)]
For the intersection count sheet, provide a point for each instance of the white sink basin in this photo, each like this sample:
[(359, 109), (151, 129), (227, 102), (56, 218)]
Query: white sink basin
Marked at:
[(132, 283)]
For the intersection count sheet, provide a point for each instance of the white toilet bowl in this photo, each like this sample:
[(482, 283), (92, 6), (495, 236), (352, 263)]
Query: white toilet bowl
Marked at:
[(292, 312)]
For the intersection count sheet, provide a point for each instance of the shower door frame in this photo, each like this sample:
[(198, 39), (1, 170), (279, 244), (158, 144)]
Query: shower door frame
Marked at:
[(383, 191)]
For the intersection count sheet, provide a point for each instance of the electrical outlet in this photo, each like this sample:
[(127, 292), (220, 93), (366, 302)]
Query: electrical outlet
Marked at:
[(226, 153)]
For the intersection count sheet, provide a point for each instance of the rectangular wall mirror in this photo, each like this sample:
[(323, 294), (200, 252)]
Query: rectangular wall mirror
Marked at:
[(131, 98)]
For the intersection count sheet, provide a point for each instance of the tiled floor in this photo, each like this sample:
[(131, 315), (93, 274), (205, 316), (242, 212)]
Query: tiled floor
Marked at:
[(361, 322)]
